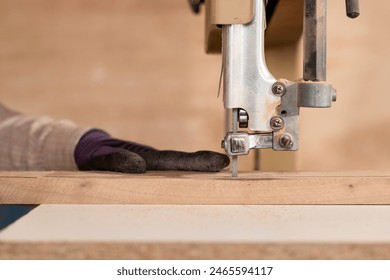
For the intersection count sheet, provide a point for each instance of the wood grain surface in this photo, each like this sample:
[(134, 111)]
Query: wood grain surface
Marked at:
[(195, 188), (204, 251)]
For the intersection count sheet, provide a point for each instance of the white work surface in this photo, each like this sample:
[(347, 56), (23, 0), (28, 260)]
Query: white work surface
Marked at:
[(211, 223)]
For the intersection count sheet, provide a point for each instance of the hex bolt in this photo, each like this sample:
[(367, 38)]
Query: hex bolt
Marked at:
[(276, 123), (279, 89), (286, 141)]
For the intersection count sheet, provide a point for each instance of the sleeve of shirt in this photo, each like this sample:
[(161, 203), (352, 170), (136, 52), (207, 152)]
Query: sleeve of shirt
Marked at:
[(37, 143)]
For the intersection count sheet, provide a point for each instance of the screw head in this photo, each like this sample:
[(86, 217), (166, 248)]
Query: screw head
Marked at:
[(279, 89), (276, 123), (286, 141)]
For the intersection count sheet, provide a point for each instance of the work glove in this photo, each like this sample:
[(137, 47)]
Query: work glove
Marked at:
[(96, 150)]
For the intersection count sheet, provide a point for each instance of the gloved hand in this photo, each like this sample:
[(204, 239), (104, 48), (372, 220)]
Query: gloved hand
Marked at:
[(96, 150)]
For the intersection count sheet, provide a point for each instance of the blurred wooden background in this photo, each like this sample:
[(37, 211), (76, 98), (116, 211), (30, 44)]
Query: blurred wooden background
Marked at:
[(138, 70)]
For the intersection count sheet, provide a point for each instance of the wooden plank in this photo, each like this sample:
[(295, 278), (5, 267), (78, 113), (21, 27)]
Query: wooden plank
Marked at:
[(194, 188), (199, 232), (202, 251)]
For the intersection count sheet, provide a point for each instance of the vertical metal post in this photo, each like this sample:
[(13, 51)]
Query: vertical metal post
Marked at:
[(235, 130), (314, 68)]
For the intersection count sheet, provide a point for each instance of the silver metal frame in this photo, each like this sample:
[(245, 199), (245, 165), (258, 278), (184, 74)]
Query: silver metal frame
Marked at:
[(269, 108), (247, 80)]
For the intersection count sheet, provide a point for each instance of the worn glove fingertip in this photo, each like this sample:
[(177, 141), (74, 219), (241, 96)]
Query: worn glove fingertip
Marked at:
[(123, 161), (212, 161)]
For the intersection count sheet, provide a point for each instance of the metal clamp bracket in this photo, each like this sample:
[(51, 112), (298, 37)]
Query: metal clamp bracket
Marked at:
[(237, 144)]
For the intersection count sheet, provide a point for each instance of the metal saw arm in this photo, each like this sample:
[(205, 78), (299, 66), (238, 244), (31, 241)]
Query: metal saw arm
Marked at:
[(266, 108)]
